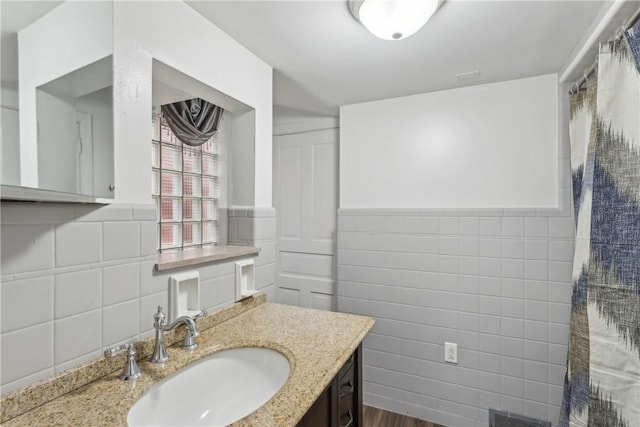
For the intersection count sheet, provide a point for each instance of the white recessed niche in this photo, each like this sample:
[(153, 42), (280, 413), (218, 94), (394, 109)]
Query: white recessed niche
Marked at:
[(184, 295), (245, 279)]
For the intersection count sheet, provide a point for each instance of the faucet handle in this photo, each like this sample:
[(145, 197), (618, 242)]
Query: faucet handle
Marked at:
[(112, 352), (131, 370), (199, 315)]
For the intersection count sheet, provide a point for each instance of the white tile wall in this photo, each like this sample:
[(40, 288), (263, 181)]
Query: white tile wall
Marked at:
[(79, 278), (77, 292), (496, 282)]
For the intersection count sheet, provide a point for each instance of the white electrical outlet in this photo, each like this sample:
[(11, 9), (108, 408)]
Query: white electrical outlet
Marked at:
[(451, 352)]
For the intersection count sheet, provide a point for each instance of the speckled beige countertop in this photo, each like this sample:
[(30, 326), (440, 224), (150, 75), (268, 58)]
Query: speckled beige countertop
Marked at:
[(317, 344)]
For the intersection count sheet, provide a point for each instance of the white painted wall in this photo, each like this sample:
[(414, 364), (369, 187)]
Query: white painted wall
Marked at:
[(209, 56), (485, 146), (10, 142), (243, 159), (495, 281), (71, 36), (57, 143)]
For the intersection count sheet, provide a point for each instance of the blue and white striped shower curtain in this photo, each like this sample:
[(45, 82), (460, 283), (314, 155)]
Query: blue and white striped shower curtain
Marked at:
[(602, 387)]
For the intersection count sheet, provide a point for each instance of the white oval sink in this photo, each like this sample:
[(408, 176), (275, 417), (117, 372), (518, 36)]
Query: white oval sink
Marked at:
[(214, 391)]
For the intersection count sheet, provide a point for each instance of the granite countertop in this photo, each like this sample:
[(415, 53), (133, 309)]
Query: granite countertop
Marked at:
[(317, 344)]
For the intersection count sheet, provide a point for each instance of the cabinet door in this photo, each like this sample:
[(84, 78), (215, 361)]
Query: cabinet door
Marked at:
[(319, 415), (340, 405)]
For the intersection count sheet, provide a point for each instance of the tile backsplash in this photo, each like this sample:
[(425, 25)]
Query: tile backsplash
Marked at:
[(496, 282), (76, 279)]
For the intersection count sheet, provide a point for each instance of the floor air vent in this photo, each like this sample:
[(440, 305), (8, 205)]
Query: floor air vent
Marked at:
[(509, 419)]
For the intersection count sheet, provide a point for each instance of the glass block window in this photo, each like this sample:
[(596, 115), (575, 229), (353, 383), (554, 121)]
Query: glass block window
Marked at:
[(184, 189)]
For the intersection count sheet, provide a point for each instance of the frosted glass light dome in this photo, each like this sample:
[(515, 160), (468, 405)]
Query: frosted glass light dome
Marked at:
[(393, 19)]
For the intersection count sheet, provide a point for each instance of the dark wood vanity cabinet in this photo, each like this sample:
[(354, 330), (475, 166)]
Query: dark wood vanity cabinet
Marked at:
[(340, 404)]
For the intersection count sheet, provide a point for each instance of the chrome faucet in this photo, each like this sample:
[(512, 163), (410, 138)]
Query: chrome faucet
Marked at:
[(160, 352), (131, 370)]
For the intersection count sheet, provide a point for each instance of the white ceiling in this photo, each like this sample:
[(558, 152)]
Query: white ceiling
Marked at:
[(14, 16), (323, 58)]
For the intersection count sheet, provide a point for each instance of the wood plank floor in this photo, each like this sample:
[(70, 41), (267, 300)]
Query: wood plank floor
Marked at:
[(374, 417)]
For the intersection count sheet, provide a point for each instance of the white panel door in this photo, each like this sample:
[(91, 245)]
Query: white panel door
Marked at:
[(305, 198)]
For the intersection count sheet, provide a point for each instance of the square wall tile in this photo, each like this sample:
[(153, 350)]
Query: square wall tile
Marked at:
[(536, 350), (561, 250), (512, 366), (448, 225), (513, 226), (121, 240), (120, 322), (469, 246), (32, 352), (490, 226), (535, 410), (513, 387), (26, 302), (512, 307), (513, 268), (537, 391), (512, 327), (152, 281), (536, 290), (469, 226), (537, 331), (393, 224), (562, 227), (76, 336), (120, 283), (78, 292), (536, 270), (26, 248), (489, 382), (488, 247), (208, 294), (560, 271), (536, 310), (512, 248), (512, 288), (78, 243), (536, 227), (512, 347), (148, 238), (226, 289), (536, 371), (265, 229), (536, 249)]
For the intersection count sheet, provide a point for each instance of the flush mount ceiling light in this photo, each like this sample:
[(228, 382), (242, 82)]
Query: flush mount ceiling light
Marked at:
[(393, 19)]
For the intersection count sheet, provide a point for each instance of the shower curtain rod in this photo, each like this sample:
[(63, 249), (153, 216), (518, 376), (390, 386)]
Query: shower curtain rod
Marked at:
[(575, 87)]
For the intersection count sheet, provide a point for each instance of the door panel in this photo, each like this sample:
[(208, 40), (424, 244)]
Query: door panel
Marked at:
[(305, 198)]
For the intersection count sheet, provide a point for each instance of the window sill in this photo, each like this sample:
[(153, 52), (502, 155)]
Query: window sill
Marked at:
[(196, 256)]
